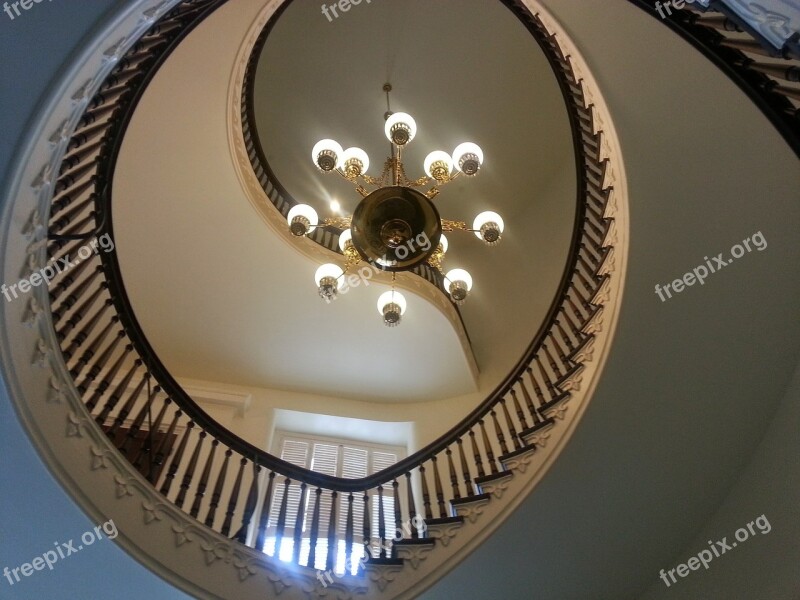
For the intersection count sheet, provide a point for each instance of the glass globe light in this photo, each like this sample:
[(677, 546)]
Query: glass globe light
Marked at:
[(302, 219), (438, 164), (355, 162), (468, 158), (345, 238), (391, 306), (328, 279), (444, 243), (489, 227), (459, 284), (326, 155), (400, 128)]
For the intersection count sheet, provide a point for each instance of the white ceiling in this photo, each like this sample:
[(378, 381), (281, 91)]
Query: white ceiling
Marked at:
[(222, 298)]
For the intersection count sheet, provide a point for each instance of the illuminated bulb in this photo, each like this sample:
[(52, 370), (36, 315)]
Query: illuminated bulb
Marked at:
[(438, 164), (328, 279), (391, 306), (400, 128), (459, 284), (335, 206), (302, 219), (444, 243), (355, 162), (489, 227), (468, 158), (326, 155), (345, 240)]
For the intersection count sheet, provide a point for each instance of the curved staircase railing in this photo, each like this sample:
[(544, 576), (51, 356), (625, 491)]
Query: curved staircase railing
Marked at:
[(240, 490), (769, 75)]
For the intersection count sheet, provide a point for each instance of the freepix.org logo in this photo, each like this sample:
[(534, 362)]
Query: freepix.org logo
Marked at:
[(47, 273), (12, 9)]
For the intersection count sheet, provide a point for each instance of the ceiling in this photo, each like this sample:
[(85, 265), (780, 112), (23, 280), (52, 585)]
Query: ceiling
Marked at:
[(222, 298)]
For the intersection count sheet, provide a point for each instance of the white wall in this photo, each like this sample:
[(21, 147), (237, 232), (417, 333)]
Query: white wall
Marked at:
[(769, 485)]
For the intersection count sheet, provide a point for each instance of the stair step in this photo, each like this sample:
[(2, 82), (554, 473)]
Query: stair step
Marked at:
[(519, 459), (383, 571), (538, 433), (582, 344), (494, 484), (471, 507), (443, 530), (414, 551)]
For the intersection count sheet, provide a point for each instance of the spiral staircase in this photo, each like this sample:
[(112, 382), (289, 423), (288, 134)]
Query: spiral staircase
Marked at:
[(193, 504)]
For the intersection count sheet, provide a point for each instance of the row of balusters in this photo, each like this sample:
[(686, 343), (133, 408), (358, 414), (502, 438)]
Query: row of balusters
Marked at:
[(98, 354), (228, 489), (780, 66)]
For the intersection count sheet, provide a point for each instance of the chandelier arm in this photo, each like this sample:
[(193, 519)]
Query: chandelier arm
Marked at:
[(448, 225), (376, 181), (337, 222), (421, 182)]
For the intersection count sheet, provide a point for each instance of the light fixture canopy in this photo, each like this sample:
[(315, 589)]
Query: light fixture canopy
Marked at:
[(468, 158), (302, 219), (327, 155), (400, 128), (489, 227)]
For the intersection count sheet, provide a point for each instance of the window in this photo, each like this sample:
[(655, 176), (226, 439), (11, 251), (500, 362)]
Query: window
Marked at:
[(338, 458)]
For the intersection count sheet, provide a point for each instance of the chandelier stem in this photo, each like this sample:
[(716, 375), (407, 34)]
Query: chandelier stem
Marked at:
[(397, 163)]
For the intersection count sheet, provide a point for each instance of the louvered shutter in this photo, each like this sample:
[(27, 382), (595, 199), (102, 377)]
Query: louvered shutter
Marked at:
[(325, 459), (297, 453), (381, 461)]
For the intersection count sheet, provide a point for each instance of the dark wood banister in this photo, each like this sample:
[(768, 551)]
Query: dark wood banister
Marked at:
[(259, 456)]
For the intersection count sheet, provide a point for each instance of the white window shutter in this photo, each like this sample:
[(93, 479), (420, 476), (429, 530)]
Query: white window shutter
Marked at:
[(297, 453)]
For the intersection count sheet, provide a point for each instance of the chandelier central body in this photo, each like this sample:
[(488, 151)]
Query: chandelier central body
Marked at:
[(396, 228)]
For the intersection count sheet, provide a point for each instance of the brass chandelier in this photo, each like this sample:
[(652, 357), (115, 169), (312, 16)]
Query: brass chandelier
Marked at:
[(395, 227)]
